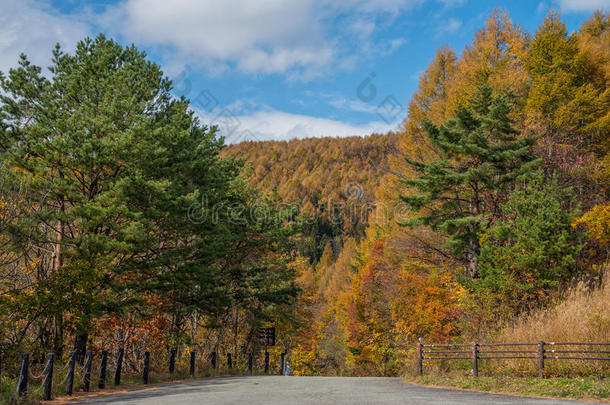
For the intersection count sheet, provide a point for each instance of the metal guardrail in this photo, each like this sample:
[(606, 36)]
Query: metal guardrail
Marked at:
[(484, 351)]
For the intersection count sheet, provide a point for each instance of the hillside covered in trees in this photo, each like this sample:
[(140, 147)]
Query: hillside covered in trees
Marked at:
[(331, 182), (491, 200)]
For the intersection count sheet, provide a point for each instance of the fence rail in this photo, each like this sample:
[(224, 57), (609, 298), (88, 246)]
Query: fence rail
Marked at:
[(107, 365), (479, 351)]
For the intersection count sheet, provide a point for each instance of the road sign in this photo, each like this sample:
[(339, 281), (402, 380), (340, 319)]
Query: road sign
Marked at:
[(266, 336)]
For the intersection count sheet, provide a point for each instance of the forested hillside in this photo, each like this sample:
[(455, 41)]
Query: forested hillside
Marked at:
[(331, 181), (495, 200)]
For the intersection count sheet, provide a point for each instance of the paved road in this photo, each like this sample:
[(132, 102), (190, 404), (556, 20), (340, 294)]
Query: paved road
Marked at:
[(276, 390)]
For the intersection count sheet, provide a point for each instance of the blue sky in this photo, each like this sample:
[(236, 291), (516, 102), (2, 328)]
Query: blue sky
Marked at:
[(273, 69)]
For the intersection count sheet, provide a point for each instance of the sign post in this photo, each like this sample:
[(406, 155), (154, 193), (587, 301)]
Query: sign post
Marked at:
[(266, 337)]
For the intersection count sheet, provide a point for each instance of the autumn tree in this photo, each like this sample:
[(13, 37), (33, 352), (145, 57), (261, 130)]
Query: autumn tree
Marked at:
[(495, 58), (553, 68)]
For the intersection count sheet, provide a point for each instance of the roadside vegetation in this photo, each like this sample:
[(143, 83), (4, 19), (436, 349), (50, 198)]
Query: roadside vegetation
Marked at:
[(588, 388), (582, 315)]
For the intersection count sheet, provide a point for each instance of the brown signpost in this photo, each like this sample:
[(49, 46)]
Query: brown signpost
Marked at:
[(266, 336)]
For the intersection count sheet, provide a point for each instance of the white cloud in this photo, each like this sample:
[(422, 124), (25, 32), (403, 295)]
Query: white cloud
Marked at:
[(300, 37), (584, 5), (451, 26), (267, 37), (278, 125), (30, 27), (542, 7), (343, 103), (362, 28), (395, 44)]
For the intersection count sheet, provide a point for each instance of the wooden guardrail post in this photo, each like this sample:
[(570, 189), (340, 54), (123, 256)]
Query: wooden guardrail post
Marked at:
[(119, 367), (70, 376), (213, 358), (103, 364), (420, 356), (282, 360), (48, 377), (540, 354), (22, 383), (266, 362), (192, 367), (250, 362), (475, 359), (146, 367), (87, 376), (172, 361)]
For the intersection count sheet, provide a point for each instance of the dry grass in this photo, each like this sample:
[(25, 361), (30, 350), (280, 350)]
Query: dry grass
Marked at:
[(582, 316)]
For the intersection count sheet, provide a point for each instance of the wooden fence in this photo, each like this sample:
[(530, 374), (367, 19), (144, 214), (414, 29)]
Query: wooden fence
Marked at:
[(116, 367), (539, 351)]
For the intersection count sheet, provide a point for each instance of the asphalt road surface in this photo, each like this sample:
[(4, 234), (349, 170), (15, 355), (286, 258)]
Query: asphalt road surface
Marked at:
[(276, 390)]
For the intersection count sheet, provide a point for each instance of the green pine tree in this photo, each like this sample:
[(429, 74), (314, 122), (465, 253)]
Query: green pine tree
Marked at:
[(129, 198), (533, 247), (114, 165), (78, 136), (481, 155)]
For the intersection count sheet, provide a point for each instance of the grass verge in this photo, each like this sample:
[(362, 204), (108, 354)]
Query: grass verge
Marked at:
[(588, 388)]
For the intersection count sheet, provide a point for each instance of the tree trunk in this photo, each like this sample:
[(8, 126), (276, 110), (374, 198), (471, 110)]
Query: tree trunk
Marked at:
[(58, 335), (235, 332), (472, 259), (58, 338), (80, 346)]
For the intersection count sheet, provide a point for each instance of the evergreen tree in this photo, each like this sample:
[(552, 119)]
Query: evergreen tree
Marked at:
[(80, 136), (116, 166), (533, 247), (481, 155)]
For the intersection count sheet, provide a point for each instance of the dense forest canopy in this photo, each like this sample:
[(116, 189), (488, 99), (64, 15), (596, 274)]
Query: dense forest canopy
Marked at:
[(331, 182)]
